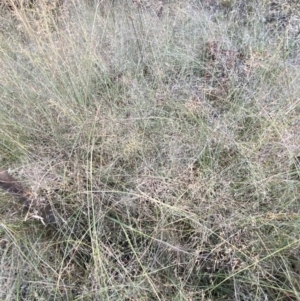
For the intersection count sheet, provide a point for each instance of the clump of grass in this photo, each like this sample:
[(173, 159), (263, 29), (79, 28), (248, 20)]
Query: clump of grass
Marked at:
[(165, 140)]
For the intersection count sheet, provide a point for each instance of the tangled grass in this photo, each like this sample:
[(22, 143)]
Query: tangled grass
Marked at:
[(165, 137)]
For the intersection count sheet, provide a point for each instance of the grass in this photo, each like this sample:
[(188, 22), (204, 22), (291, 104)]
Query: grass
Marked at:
[(165, 137)]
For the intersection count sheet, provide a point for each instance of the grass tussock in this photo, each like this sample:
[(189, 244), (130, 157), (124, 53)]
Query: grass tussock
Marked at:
[(164, 135)]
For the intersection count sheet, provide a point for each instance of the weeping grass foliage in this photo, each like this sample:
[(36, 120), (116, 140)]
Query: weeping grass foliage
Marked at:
[(165, 136)]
